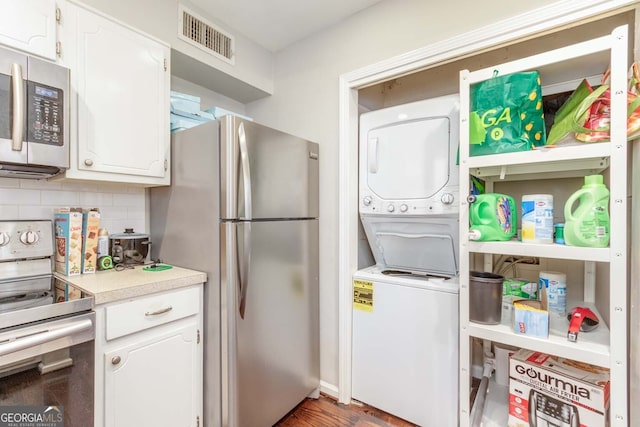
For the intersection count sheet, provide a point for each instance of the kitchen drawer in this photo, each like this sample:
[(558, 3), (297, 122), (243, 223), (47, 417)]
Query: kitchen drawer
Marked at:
[(147, 312)]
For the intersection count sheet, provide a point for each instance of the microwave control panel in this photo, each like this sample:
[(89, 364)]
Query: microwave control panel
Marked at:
[(45, 114)]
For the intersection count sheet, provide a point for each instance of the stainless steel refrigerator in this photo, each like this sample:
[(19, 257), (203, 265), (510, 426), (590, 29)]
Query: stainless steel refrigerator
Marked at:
[(243, 207)]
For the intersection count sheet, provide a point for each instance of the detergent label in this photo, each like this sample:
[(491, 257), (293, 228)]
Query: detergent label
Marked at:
[(363, 295), (503, 215), (537, 219)]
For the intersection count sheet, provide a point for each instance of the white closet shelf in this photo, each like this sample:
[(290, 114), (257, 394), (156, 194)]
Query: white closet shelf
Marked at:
[(515, 247), (555, 162), (496, 409), (592, 347)]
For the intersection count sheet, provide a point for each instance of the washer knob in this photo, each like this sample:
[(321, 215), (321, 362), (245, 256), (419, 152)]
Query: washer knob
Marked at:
[(391, 208), (29, 237), (447, 198), (403, 208), (367, 201), (4, 238)]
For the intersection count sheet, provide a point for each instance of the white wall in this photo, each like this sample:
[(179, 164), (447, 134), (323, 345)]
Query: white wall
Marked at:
[(121, 206), (159, 18), (305, 103)]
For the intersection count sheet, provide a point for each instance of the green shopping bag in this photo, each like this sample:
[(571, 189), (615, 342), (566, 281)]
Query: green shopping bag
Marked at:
[(506, 114)]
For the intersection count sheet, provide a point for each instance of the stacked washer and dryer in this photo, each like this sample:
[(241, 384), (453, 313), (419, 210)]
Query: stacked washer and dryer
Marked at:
[(405, 336)]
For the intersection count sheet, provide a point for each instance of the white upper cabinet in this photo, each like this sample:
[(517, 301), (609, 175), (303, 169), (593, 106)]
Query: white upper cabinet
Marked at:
[(29, 26), (120, 85)]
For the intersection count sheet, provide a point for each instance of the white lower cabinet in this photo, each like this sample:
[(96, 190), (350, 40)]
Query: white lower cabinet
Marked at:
[(150, 372)]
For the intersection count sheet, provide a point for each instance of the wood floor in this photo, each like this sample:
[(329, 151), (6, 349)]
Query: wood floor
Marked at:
[(327, 412)]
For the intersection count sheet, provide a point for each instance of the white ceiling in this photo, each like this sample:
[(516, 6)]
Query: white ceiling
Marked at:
[(275, 24)]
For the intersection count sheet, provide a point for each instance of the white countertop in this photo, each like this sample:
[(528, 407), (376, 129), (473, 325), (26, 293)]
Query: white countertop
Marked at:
[(111, 285)]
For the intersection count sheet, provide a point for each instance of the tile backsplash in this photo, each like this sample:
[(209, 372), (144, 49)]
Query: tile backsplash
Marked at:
[(121, 206)]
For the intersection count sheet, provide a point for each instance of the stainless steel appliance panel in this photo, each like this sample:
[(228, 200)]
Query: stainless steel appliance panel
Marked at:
[(270, 329), (48, 90), (184, 229), (10, 63), (270, 174), (34, 116)]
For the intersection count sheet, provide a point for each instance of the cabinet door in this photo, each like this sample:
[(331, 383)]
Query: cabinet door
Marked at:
[(122, 84), (155, 382), (29, 26)]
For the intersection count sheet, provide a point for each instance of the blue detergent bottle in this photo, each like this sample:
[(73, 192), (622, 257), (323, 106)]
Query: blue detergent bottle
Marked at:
[(492, 217)]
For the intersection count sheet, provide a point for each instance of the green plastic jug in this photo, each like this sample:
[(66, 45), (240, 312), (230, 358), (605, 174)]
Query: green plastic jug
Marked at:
[(492, 217), (588, 224)]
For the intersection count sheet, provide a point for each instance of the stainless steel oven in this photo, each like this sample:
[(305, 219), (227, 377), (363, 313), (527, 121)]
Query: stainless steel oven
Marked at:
[(47, 329)]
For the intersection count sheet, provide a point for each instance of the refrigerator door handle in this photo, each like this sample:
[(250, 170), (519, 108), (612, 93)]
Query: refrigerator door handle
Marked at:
[(243, 266), (246, 171)]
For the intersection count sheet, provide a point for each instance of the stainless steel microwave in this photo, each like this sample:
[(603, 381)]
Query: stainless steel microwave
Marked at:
[(34, 116)]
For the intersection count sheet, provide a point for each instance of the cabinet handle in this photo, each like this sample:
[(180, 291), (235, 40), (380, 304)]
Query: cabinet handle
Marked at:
[(88, 162), (115, 360), (161, 311)]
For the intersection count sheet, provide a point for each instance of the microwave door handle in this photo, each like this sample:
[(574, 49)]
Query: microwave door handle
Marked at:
[(17, 87), (246, 172), (372, 154), (45, 336)]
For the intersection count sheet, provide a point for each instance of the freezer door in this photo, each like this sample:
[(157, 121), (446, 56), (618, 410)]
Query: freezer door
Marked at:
[(266, 173), (270, 350)]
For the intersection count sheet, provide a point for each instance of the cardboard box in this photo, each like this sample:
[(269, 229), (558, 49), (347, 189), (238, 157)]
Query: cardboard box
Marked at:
[(520, 288), (547, 390), (68, 235), (531, 317), (90, 227)]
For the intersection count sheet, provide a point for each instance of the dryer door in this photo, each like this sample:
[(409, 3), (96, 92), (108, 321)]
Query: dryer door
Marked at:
[(409, 160)]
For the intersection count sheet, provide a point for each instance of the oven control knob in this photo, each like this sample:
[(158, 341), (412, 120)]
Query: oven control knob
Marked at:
[(367, 201), (391, 208), (403, 207), (447, 198), (29, 237), (4, 238)]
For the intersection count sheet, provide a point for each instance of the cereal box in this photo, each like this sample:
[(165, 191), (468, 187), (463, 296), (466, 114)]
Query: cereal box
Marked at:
[(548, 390), (66, 292), (90, 226), (68, 234)]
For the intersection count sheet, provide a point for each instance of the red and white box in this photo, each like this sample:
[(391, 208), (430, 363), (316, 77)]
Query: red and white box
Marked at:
[(546, 390)]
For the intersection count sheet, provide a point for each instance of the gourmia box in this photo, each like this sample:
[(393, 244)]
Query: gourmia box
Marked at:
[(550, 391)]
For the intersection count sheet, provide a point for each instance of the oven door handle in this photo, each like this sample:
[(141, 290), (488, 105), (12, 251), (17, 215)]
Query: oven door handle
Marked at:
[(44, 336)]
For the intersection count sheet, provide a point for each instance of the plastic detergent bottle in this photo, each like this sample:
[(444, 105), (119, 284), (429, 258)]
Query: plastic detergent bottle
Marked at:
[(492, 217), (588, 224)]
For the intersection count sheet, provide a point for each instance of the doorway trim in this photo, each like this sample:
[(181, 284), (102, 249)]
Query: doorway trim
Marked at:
[(519, 27)]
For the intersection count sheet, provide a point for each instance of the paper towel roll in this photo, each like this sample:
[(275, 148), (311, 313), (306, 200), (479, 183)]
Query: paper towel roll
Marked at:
[(502, 353)]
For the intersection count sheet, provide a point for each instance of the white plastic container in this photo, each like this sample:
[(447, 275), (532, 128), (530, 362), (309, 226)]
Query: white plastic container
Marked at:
[(537, 218), (556, 286)]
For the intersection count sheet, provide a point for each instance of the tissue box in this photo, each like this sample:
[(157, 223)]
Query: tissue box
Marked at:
[(531, 317), (68, 235), (90, 227), (548, 390)]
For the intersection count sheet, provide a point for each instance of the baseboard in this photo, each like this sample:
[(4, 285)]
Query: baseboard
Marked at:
[(329, 389)]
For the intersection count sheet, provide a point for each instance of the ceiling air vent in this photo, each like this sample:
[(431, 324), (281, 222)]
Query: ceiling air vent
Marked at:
[(202, 34)]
